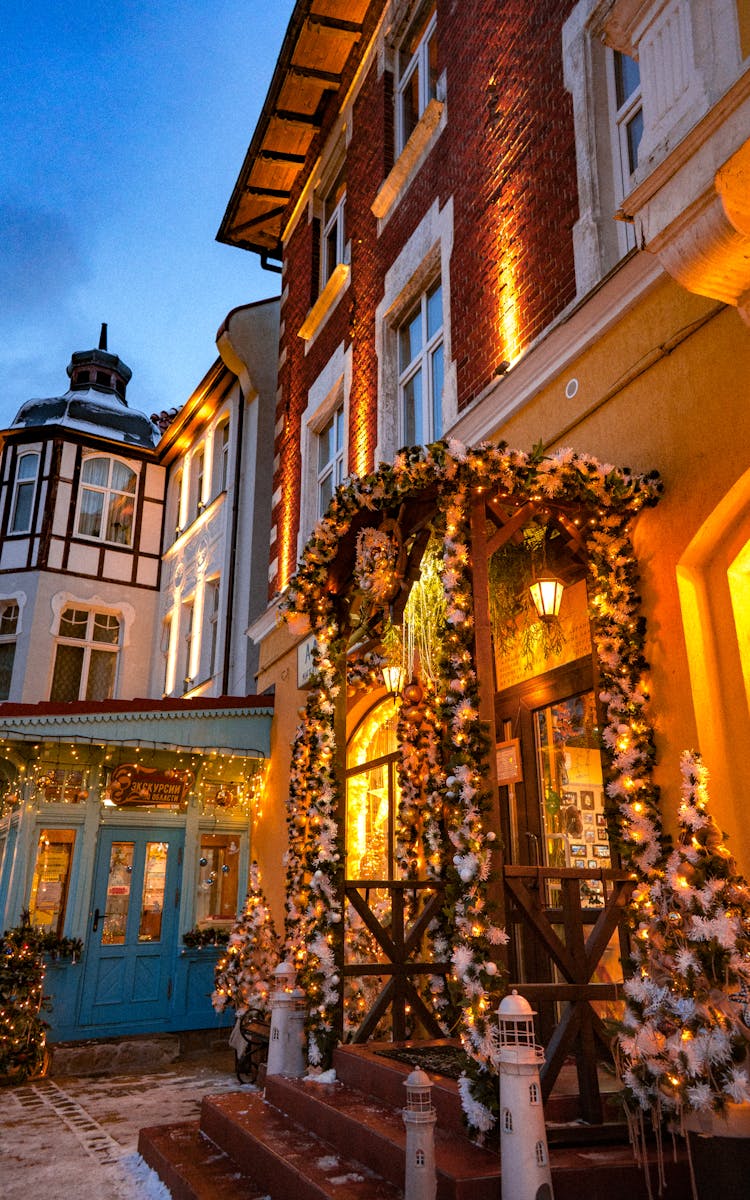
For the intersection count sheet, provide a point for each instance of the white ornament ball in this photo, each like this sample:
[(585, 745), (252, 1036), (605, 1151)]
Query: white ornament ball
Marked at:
[(490, 968), (466, 875)]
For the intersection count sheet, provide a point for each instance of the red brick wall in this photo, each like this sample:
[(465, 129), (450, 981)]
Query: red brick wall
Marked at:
[(507, 158)]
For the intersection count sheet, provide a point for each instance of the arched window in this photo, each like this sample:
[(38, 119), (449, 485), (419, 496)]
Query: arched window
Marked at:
[(533, 1093), (371, 794), (420, 1158), (507, 1121), (107, 500), (541, 1154), (23, 493)]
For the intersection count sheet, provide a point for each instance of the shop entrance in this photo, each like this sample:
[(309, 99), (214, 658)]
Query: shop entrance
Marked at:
[(132, 927)]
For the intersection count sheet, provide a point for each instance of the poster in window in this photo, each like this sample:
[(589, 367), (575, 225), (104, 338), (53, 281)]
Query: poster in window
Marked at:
[(508, 758)]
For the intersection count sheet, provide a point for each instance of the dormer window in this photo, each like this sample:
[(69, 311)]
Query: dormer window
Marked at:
[(107, 500)]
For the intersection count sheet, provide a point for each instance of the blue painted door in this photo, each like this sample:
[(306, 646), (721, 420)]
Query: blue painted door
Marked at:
[(130, 947)]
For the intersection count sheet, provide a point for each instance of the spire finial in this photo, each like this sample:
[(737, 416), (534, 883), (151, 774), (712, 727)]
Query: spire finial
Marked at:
[(103, 336)]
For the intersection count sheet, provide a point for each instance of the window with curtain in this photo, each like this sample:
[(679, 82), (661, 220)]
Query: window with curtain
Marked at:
[(106, 503)]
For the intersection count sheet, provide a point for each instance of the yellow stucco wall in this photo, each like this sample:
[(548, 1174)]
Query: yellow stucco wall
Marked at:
[(676, 372)]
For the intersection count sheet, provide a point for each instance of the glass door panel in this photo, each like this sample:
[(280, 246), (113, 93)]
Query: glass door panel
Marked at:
[(152, 898), (118, 893)]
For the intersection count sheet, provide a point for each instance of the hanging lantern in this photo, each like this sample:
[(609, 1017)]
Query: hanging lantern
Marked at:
[(546, 592), (393, 677)]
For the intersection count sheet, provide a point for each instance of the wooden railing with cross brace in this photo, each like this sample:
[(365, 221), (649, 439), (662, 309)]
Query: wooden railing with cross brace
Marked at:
[(399, 945), (548, 902)]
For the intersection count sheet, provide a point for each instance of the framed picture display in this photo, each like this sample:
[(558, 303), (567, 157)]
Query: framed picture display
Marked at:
[(588, 818), (508, 759), (593, 864), (601, 821), (589, 835), (587, 799), (579, 862), (577, 849), (601, 851)]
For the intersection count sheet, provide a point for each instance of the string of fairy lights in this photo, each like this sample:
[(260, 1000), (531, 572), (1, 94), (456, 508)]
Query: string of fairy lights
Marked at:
[(610, 498), (65, 771)]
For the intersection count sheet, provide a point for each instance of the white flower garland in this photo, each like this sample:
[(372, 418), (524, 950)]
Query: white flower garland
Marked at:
[(314, 917)]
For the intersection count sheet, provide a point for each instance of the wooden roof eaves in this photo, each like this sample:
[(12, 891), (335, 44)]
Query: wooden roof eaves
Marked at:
[(284, 67)]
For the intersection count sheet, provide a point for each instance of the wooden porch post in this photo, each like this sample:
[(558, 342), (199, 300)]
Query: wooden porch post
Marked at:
[(485, 680), (339, 767)]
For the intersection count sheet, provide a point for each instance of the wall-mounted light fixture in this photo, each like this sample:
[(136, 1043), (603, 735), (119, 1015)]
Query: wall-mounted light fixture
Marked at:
[(502, 367), (546, 592), (393, 677)]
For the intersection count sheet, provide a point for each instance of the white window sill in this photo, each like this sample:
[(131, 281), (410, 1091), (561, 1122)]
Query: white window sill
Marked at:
[(425, 134), (325, 302)]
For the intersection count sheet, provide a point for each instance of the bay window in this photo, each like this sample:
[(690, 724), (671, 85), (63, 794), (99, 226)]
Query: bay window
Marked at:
[(86, 655), (107, 500)]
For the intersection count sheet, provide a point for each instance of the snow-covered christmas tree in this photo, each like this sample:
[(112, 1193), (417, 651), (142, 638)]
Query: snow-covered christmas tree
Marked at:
[(244, 974), (686, 1030)]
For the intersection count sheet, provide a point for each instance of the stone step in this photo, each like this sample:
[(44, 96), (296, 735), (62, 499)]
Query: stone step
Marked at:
[(287, 1161), (192, 1167)]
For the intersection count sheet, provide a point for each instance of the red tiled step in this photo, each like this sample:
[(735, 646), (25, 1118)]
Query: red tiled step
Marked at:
[(289, 1162), (192, 1167), (373, 1133)]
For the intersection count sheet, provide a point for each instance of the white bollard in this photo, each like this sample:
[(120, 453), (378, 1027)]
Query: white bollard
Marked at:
[(286, 1047), (524, 1155), (419, 1118)]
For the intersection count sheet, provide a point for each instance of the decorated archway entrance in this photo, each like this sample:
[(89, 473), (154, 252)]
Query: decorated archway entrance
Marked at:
[(455, 753)]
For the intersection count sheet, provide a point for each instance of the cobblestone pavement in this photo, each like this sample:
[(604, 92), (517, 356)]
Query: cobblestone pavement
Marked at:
[(76, 1138)]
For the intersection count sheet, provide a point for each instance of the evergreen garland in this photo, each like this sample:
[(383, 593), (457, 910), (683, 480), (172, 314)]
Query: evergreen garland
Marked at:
[(314, 917)]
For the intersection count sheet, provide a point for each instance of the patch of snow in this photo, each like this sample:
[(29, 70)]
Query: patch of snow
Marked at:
[(322, 1077), (327, 1163)]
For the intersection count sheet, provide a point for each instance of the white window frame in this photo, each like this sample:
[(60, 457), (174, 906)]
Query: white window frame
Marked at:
[(111, 496), (25, 484), (621, 117), (422, 365), (328, 392), (333, 468), (9, 637), (187, 630), (88, 644), (212, 610), (418, 62), (221, 456), (334, 223), (198, 477)]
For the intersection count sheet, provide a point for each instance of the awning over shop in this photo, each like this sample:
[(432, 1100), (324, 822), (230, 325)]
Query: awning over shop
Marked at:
[(227, 725)]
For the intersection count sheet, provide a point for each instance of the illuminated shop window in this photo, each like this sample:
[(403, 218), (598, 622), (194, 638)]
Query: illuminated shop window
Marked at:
[(49, 886), (416, 76), (217, 879), (107, 500), (61, 784), (372, 794)]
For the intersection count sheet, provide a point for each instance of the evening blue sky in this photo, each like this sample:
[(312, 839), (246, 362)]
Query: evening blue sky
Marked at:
[(124, 124)]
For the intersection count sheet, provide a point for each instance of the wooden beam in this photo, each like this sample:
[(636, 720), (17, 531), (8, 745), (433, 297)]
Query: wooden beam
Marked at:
[(282, 156), (271, 193), (484, 661), (296, 118), (269, 215), (326, 77), (353, 27)]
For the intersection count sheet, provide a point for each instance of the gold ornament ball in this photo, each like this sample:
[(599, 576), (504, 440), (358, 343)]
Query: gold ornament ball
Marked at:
[(412, 693), (413, 714)]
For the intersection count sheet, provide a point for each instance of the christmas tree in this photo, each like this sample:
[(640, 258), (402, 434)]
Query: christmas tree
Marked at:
[(244, 974), (22, 1030), (686, 1027)]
